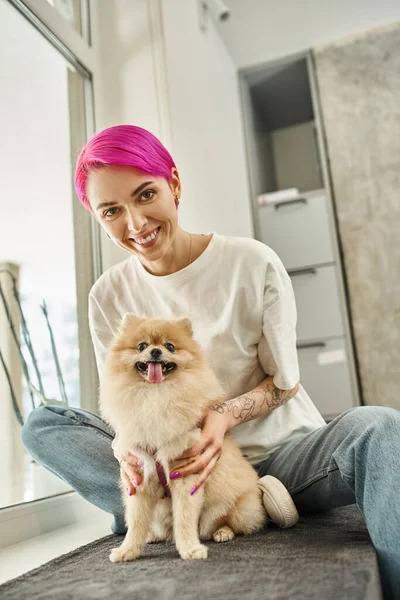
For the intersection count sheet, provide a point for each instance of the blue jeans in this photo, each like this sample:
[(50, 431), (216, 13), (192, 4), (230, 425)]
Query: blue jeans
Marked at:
[(353, 459)]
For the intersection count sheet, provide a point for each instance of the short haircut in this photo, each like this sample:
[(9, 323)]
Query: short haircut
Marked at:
[(123, 145)]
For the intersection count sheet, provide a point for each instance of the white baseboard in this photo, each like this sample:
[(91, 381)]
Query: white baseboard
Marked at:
[(30, 519)]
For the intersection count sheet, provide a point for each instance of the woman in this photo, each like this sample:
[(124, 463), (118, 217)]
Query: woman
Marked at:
[(239, 298)]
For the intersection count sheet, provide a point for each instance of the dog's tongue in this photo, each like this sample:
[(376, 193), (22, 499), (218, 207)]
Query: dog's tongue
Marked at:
[(154, 372)]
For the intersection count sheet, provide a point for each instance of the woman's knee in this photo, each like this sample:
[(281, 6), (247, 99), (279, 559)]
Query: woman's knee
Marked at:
[(37, 420), (372, 418)]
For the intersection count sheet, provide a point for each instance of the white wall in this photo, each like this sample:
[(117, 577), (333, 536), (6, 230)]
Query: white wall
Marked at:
[(262, 30), (127, 89), (206, 124)]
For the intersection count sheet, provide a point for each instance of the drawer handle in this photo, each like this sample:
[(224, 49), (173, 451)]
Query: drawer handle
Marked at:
[(285, 202), (309, 270), (311, 345)]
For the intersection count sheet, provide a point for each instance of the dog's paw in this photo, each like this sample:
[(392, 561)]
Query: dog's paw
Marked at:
[(197, 552), (223, 534), (122, 554)]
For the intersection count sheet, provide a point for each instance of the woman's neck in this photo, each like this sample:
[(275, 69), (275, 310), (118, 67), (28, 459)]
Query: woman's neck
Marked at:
[(175, 259), (184, 250)]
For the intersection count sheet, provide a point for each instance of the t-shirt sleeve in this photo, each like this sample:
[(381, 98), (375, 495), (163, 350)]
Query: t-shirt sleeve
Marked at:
[(100, 331), (277, 348)]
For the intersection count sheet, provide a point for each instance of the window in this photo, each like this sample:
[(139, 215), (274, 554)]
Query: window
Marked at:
[(47, 245)]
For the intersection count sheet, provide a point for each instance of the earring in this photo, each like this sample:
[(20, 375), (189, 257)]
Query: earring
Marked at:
[(176, 201)]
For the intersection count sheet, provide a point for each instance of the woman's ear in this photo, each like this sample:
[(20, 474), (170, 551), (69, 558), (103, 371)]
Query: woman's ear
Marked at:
[(175, 183)]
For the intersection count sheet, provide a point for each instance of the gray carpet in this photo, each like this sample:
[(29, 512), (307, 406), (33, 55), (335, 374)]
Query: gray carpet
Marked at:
[(326, 556)]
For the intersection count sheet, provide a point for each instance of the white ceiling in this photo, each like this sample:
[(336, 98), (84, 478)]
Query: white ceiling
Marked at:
[(263, 30)]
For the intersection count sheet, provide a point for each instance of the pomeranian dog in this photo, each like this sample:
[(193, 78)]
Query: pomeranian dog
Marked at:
[(156, 388)]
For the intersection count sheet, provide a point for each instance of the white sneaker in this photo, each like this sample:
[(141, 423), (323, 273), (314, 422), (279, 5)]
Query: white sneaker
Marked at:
[(278, 502)]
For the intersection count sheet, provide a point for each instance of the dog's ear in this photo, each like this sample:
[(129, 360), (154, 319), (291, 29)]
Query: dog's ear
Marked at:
[(127, 320), (187, 325)]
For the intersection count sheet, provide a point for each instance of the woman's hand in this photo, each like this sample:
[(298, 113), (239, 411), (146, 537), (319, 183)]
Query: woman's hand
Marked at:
[(213, 429), (127, 463)]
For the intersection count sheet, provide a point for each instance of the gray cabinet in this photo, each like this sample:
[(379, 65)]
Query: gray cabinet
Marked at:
[(318, 303), (298, 230), (324, 372), (285, 149)]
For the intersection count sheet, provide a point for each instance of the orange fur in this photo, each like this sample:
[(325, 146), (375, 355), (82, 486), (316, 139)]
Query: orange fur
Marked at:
[(165, 416)]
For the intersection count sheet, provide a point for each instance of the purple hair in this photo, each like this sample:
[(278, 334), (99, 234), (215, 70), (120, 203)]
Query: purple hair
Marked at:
[(121, 145)]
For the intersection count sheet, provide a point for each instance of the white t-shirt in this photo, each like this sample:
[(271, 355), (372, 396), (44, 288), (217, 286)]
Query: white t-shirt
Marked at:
[(240, 300)]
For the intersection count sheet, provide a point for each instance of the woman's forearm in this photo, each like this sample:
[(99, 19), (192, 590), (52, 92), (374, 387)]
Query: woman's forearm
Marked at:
[(257, 403)]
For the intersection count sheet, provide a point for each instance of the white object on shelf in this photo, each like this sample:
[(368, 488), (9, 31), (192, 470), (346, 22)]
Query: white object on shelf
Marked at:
[(279, 196), (329, 358)]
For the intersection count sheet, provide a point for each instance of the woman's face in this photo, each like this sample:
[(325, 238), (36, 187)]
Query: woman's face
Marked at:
[(133, 207)]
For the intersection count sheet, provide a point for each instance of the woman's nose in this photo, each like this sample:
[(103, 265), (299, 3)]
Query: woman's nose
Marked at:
[(135, 221)]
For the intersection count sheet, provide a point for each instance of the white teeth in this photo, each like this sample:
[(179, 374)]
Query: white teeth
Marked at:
[(148, 239)]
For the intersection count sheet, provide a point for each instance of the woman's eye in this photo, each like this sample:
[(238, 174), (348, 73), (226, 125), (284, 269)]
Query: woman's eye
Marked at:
[(109, 212), (142, 347), (170, 347), (145, 195)]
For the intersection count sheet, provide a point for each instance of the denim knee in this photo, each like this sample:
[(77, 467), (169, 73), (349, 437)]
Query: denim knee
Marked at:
[(37, 419), (372, 418)]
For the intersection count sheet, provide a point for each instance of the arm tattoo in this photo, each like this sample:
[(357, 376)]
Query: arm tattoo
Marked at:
[(260, 401)]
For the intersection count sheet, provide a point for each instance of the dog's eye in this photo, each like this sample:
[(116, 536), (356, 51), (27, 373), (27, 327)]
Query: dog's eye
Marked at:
[(142, 346), (170, 347)]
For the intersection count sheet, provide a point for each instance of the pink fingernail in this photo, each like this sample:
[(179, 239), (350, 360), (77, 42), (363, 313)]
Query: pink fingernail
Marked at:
[(193, 490), (135, 483), (174, 475), (140, 463), (129, 492)]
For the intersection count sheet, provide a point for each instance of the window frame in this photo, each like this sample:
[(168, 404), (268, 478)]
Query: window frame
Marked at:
[(28, 519)]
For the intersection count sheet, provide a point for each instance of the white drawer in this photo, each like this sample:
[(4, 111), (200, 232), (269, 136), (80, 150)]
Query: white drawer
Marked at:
[(325, 376), (318, 303), (298, 230)]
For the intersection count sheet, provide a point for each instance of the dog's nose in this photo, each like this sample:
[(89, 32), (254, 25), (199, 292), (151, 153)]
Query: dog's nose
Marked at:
[(156, 353)]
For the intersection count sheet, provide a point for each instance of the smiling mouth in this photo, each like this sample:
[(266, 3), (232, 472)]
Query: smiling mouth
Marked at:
[(154, 371), (142, 241)]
